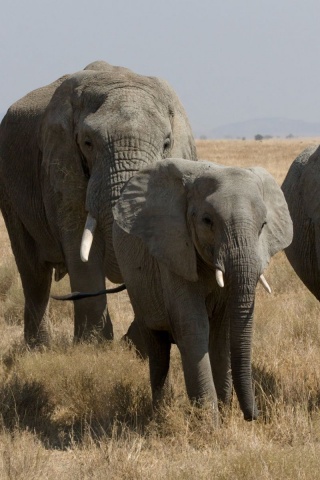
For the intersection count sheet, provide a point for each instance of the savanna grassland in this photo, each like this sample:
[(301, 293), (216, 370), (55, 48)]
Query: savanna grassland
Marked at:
[(84, 412)]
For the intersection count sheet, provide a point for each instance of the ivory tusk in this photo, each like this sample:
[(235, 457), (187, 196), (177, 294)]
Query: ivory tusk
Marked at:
[(265, 284), (219, 278), (87, 237)]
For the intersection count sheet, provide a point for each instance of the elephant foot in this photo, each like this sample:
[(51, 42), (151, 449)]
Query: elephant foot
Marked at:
[(41, 338), (94, 331)]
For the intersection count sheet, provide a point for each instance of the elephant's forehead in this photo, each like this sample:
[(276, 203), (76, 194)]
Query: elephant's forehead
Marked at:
[(235, 189), (226, 196), (231, 205), (126, 103), (134, 100), (231, 181), (122, 114), (102, 83)]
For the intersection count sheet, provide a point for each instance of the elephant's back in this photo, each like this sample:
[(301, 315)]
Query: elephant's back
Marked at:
[(301, 188), (19, 127), (295, 172), (30, 105), (19, 130)]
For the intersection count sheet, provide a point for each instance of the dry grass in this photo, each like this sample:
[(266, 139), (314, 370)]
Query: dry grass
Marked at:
[(276, 155), (84, 412)]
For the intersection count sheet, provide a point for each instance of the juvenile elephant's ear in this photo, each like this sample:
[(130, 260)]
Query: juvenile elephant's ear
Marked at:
[(277, 233), (153, 207)]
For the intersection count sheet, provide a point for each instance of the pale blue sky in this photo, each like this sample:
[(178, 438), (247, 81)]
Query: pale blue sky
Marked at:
[(228, 60)]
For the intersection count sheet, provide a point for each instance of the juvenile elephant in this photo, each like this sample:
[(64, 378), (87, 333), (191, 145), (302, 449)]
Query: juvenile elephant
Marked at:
[(301, 188), (192, 240), (66, 150)]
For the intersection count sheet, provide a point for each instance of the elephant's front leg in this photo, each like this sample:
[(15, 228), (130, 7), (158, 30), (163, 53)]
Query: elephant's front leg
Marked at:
[(197, 373), (91, 316), (197, 369), (190, 327), (220, 359), (92, 319), (159, 346)]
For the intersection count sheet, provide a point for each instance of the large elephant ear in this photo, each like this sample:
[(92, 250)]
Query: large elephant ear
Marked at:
[(277, 233), (183, 140), (61, 161), (153, 207)]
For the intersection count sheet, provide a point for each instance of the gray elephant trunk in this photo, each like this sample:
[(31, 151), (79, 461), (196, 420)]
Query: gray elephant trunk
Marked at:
[(242, 283), (122, 159), (241, 320)]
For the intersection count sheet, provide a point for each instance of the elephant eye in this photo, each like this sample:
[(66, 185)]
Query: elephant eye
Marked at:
[(88, 144), (167, 143), (207, 220), (264, 223)]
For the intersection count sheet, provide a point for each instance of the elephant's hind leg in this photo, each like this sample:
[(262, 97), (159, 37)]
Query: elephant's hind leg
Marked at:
[(36, 279), (36, 287), (134, 338), (159, 346)]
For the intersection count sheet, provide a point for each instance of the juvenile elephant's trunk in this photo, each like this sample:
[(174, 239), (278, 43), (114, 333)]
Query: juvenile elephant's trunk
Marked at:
[(240, 313), (241, 320)]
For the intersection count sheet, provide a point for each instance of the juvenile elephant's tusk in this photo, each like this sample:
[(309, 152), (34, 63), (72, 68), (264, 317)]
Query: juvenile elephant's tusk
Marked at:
[(219, 278), (87, 237), (265, 284)]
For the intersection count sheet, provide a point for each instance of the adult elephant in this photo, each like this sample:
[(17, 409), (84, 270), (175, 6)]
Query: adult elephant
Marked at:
[(301, 188), (66, 150), (192, 240)]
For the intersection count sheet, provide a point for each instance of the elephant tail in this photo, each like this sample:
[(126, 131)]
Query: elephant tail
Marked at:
[(80, 295)]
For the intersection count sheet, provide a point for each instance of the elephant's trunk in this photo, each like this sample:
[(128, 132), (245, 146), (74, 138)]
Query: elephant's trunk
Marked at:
[(243, 281), (241, 321), (122, 158)]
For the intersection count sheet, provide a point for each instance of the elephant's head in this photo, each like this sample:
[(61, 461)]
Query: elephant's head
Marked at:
[(101, 126), (233, 219)]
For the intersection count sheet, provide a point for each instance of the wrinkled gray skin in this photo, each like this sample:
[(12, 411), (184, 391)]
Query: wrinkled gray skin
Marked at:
[(301, 188), (175, 224), (67, 149)]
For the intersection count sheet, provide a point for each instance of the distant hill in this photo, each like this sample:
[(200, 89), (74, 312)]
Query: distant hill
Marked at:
[(275, 127)]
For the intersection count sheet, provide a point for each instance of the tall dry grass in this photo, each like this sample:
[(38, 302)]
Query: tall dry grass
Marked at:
[(84, 412)]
